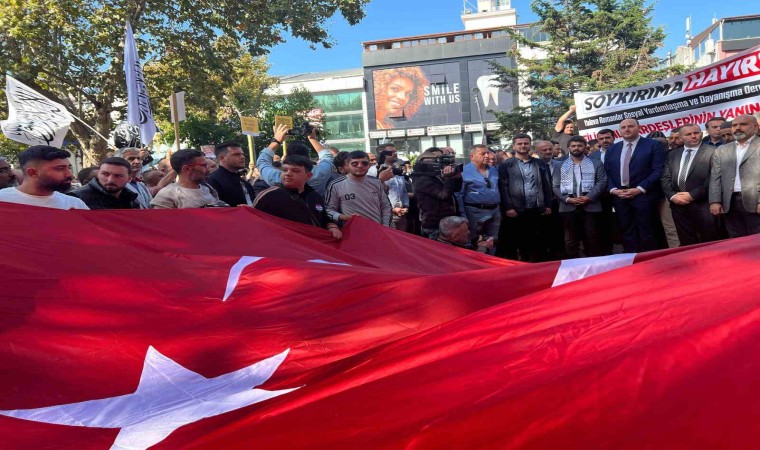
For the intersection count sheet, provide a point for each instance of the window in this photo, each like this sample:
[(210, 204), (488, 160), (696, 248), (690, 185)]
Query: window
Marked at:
[(741, 29)]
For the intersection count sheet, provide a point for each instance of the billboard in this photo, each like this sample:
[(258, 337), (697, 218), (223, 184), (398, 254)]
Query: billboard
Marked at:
[(436, 94), (728, 88)]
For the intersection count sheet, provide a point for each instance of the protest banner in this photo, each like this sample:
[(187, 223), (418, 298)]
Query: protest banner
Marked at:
[(250, 127), (727, 89)]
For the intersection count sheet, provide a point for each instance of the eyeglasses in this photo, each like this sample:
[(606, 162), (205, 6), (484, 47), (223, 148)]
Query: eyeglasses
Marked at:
[(488, 182), (5, 169), (359, 163)]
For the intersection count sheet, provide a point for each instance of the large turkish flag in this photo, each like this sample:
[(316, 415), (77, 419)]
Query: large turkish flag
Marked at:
[(395, 341)]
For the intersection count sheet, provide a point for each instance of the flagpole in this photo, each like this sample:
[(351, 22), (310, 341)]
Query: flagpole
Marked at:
[(93, 130), (176, 120)]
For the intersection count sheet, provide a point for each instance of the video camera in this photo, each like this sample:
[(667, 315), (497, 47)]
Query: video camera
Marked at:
[(304, 130), (437, 164)]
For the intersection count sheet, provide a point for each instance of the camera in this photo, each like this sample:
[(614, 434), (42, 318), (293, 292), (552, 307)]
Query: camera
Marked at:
[(304, 130), (436, 165), (397, 171)]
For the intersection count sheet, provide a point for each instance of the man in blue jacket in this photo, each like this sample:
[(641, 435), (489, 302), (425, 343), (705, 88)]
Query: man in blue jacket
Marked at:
[(634, 167)]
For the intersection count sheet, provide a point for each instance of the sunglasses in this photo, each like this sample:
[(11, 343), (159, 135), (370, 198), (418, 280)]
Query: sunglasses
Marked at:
[(488, 182), (359, 163)]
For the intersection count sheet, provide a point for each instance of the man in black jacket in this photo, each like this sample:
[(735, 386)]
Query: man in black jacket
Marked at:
[(434, 190), (226, 180), (526, 196), (107, 190), (295, 200)]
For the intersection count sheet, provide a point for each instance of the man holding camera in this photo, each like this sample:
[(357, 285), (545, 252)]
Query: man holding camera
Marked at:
[(395, 184), (434, 182), (272, 175)]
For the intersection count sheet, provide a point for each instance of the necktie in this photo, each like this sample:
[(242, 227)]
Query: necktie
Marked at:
[(684, 170), (625, 178)]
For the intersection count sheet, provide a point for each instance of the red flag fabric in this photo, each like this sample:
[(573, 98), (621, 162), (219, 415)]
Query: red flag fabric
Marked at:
[(226, 328)]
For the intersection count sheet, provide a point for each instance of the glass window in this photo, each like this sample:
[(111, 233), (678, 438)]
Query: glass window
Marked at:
[(347, 101), (344, 126), (741, 29)]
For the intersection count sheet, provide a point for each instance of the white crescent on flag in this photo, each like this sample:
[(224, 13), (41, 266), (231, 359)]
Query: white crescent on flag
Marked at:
[(33, 119)]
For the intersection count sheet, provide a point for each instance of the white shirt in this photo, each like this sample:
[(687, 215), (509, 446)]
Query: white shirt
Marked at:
[(741, 150), (56, 201)]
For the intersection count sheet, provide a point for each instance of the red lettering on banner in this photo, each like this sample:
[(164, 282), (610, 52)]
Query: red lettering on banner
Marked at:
[(736, 69)]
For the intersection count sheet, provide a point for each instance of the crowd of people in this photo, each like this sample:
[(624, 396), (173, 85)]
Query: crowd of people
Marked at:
[(537, 201)]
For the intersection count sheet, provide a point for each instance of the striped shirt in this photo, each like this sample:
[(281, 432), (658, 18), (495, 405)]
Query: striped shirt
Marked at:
[(365, 197)]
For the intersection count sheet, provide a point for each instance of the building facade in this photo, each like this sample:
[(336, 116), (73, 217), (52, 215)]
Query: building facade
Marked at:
[(723, 38), (436, 90)]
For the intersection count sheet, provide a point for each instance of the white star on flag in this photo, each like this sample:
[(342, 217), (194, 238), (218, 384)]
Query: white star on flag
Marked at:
[(169, 396)]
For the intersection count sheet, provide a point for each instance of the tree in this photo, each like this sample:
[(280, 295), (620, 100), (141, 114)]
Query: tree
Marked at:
[(72, 50), (295, 105), (592, 45)]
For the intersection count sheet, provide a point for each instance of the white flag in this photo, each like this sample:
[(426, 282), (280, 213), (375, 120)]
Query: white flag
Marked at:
[(33, 119), (138, 103)]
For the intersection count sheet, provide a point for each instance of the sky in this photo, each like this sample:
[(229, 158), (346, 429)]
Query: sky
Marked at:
[(386, 19)]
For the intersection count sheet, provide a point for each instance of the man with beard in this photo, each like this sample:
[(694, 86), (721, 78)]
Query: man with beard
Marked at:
[(7, 177), (107, 190), (735, 177), (674, 140), (190, 190), (726, 134), (526, 197), (135, 184), (47, 174), (578, 184), (232, 188), (605, 138), (685, 181)]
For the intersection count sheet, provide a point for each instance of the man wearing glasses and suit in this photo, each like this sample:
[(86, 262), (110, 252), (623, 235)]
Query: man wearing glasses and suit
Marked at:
[(479, 197), (526, 195), (356, 194)]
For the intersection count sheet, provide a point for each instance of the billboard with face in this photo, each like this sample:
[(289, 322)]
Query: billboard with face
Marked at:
[(435, 94)]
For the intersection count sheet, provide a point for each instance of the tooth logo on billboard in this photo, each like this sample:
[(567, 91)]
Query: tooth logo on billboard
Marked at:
[(489, 89)]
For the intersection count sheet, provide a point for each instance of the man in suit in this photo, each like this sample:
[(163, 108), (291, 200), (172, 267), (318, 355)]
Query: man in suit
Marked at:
[(579, 183), (735, 179), (526, 196), (552, 245), (608, 227), (685, 181), (634, 168)]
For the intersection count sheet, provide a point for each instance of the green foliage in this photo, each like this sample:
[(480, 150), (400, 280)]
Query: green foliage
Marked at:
[(198, 130), (593, 45), (9, 148), (294, 104), (71, 50)]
